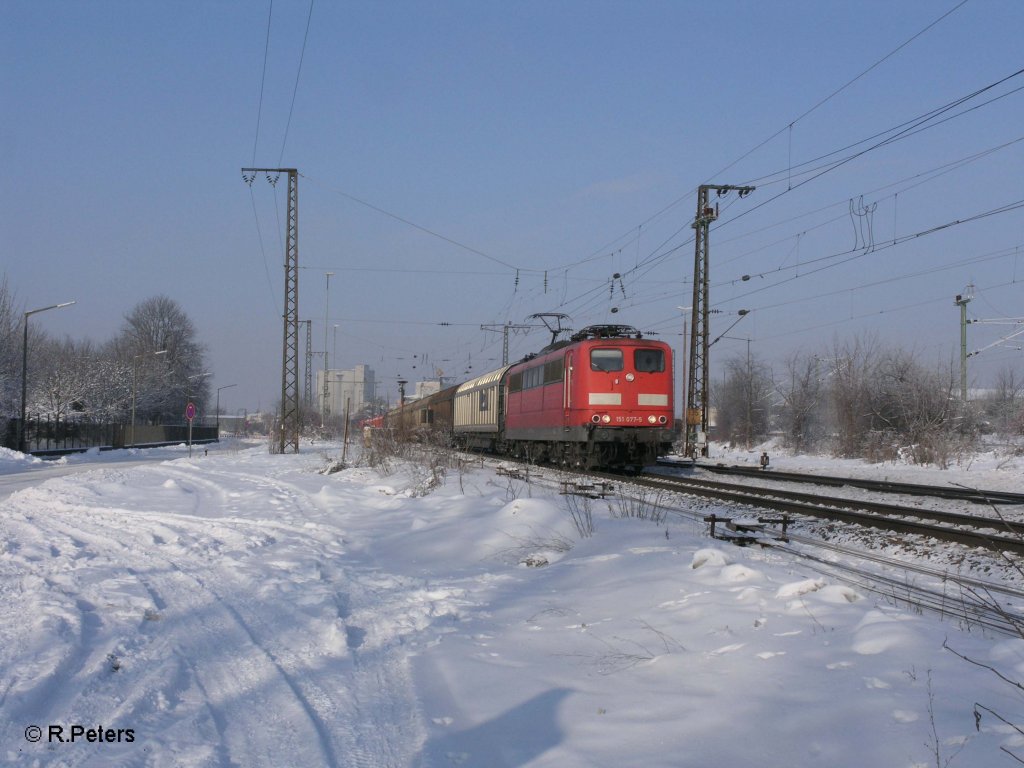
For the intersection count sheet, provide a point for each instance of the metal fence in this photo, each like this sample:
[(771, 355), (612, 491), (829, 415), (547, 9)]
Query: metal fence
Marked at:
[(47, 435)]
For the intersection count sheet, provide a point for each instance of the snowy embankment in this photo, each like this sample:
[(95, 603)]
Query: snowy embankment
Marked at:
[(242, 609), (997, 468)]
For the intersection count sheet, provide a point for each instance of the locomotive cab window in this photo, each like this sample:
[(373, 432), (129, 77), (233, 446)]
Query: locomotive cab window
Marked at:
[(649, 360), (606, 360)]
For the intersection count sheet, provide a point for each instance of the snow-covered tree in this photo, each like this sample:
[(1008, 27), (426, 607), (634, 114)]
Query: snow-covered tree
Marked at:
[(164, 381), (10, 358)]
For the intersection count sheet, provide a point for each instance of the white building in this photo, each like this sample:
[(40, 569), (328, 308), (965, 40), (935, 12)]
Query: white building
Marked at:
[(426, 388), (353, 389)]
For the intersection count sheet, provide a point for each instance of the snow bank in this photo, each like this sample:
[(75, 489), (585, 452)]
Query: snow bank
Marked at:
[(245, 609)]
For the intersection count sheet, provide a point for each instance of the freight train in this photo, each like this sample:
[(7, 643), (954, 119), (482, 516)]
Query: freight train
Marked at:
[(601, 399)]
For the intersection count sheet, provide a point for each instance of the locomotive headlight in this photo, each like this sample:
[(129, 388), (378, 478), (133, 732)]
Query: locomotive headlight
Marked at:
[(596, 419), (630, 377), (663, 420), (606, 419), (652, 419)]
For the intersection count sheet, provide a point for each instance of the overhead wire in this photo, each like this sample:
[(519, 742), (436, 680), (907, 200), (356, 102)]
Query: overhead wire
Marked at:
[(822, 102), (255, 144), (263, 80), (263, 250), (884, 311), (920, 179), (993, 255), (295, 90), (658, 255), (910, 128), (857, 253), (789, 125), (893, 134), (914, 126), (414, 225)]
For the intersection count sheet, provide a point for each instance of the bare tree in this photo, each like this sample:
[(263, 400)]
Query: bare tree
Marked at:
[(851, 366), (10, 360), (886, 404), (743, 400), (155, 324), (802, 416), (1005, 406), (915, 406)]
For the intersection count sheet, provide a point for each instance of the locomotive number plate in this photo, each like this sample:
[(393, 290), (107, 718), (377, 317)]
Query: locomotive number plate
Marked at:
[(629, 419)]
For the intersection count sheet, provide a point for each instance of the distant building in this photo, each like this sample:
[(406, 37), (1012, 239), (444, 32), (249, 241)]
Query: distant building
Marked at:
[(426, 388), (354, 388)]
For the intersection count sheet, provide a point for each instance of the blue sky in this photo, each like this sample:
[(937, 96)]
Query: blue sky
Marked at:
[(558, 141)]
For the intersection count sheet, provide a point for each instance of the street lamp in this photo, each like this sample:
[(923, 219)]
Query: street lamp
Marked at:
[(188, 386), (683, 369), (226, 386), (135, 376), (327, 303), (24, 370)]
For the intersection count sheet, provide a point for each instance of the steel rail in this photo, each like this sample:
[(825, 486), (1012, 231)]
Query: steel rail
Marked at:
[(969, 605), (882, 508), (973, 495), (779, 500), (976, 605)]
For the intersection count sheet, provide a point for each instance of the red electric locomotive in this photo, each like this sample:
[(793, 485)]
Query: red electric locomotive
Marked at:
[(603, 398)]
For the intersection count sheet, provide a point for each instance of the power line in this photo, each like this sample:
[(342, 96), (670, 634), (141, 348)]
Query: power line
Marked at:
[(263, 80), (854, 254), (295, 90), (402, 270), (263, 250), (787, 127), (421, 228), (909, 128), (902, 130), (441, 323), (924, 177), (944, 299), (842, 88), (1003, 253)]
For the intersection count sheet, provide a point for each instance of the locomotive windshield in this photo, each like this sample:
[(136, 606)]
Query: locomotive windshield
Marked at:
[(606, 360), (649, 360)]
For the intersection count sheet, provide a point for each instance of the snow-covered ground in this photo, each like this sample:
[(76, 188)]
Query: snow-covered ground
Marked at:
[(244, 609)]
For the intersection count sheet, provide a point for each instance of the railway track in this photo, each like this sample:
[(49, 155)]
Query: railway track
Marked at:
[(958, 493), (972, 602), (994, 533)]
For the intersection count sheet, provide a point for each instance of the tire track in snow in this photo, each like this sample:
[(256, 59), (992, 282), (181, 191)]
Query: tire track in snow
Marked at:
[(93, 536), (361, 711)]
